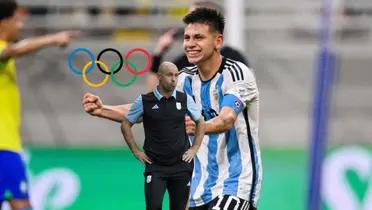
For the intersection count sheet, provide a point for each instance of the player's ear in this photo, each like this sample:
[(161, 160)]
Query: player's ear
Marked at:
[(219, 41)]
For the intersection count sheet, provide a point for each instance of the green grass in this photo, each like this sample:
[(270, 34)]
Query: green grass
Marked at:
[(113, 178)]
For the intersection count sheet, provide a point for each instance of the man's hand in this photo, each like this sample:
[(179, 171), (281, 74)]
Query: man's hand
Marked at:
[(189, 154), (165, 41), (92, 104), (63, 38), (190, 126), (141, 156)]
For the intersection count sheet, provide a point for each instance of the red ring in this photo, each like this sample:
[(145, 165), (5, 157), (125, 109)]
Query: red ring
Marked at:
[(147, 67)]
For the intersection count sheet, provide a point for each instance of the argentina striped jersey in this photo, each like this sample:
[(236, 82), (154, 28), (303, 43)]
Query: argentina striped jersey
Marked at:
[(227, 163)]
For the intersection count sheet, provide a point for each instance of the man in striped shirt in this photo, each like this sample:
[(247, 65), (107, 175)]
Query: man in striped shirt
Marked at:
[(227, 168)]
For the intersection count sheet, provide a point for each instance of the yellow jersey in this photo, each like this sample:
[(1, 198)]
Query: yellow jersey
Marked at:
[(9, 105)]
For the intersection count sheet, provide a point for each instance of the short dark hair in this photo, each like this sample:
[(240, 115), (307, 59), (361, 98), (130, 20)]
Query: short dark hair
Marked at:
[(7, 8), (211, 17), (208, 4)]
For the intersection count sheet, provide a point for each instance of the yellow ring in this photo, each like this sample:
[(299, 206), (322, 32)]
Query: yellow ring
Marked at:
[(95, 85)]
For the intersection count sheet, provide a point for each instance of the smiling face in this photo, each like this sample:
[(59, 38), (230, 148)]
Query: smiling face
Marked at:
[(200, 42)]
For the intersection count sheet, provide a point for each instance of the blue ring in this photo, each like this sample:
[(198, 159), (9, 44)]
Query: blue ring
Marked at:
[(71, 56)]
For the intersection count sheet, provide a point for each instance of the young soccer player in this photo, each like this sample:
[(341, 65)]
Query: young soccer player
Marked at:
[(13, 180), (228, 169)]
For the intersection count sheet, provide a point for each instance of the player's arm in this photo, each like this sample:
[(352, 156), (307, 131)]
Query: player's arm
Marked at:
[(223, 122), (126, 129), (30, 45), (196, 116), (239, 94), (93, 105), (164, 43)]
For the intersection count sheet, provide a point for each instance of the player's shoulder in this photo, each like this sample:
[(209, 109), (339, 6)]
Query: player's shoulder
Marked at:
[(237, 71), (184, 75), (190, 70)]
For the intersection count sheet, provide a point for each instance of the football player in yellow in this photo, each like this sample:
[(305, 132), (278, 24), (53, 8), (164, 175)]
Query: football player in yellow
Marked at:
[(13, 180)]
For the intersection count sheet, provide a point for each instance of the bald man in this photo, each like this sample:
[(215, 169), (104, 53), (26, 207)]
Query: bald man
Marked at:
[(167, 154)]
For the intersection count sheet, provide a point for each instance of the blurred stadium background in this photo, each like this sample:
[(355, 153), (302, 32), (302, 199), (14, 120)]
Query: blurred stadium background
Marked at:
[(80, 162)]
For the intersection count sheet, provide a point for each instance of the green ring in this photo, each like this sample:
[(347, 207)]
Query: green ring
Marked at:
[(117, 82)]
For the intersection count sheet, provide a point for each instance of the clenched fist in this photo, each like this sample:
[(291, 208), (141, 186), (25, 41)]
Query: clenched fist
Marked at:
[(92, 104)]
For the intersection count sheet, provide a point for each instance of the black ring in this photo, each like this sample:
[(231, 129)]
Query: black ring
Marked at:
[(120, 57)]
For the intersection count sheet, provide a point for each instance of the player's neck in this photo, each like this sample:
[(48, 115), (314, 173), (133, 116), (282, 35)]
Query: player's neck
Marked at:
[(208, 68), (3, 36)]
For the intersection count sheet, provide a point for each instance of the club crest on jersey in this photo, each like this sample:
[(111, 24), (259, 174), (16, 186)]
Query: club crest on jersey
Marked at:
[(237, 104), (178, 105), (243, 91), (148, 179)]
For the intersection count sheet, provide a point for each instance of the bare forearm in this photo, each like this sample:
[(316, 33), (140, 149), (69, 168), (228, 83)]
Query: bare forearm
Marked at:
[(115, 113), (128, 136), (217, 125), (27, 46), (199, 133), (222, 123)]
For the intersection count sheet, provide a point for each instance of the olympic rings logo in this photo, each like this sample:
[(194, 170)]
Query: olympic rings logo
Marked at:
[(115, 68)]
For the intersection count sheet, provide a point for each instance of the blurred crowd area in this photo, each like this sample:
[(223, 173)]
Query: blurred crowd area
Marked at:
[(280, 42)]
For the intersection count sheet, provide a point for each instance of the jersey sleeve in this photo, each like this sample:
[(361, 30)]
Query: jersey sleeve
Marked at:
[(240, 87), (136, 111), (192, 109), (185, 78), (181, 81)]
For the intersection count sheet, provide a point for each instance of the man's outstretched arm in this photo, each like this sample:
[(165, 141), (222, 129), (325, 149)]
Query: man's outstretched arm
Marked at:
[(93, 105), (30, 45)]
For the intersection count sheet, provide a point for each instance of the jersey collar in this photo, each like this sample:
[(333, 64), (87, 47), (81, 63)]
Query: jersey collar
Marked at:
[(220, 69), (159, 96)]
